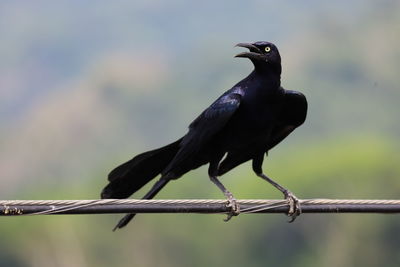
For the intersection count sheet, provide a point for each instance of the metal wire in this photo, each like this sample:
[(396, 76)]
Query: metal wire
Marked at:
[(103, 206)]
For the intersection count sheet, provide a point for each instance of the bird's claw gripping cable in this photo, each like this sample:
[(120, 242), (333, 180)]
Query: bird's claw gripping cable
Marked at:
[(294, 206), (235, 207)]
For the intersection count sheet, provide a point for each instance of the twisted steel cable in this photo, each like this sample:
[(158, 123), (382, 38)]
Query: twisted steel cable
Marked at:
[(103, 206)]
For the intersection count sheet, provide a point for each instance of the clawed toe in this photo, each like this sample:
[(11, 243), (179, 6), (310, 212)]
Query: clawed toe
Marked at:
[(235, 208), (294, 206), (293, 201)]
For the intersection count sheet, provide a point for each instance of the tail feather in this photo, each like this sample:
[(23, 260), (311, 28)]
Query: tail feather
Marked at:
[(130, 176), (153, 191)]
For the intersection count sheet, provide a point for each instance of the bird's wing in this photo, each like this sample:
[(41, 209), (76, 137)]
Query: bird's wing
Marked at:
[(293, 115), (206, 125)]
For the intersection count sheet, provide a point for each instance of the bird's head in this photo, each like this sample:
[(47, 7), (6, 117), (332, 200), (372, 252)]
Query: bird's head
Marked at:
[(262, 54)]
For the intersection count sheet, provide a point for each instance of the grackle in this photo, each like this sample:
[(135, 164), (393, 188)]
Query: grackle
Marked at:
[(242, 124)]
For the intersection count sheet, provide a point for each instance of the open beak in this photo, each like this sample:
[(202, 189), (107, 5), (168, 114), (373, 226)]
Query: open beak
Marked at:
[(251, 47), (254, 53)]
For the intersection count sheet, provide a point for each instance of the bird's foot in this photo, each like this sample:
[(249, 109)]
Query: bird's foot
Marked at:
[(294, 205), (232, 203)]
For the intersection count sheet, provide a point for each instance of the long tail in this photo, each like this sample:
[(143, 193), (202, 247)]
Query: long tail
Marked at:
[(153, 191), (129, 177)]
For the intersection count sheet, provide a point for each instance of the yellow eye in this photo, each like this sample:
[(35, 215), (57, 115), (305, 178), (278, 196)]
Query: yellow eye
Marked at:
[(267, 49)]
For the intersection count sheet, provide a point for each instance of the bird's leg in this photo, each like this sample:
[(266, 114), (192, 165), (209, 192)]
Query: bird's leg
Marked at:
[(294, 204), (232, 203)]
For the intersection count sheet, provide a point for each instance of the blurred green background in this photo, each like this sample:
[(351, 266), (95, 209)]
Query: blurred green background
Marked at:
[(86, 85)]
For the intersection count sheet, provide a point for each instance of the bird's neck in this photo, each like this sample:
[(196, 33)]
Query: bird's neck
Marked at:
[(270, 74), (264, 67)]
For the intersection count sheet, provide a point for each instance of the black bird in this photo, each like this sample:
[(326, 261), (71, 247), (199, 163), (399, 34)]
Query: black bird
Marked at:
[(243, 124)]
